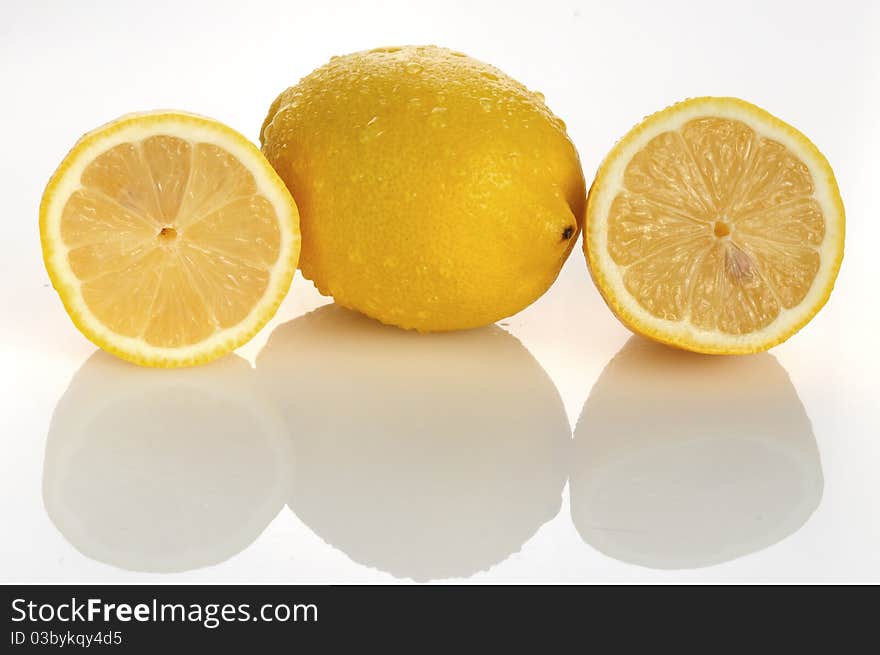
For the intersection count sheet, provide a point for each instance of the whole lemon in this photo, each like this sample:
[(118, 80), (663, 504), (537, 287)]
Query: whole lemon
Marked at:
[(435, 192)]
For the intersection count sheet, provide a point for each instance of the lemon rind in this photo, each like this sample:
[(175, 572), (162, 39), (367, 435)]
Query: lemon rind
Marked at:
[(193, 128), (607, 275)]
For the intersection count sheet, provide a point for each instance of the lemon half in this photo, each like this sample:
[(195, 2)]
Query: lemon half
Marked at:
[(715, 227), (169, 238)]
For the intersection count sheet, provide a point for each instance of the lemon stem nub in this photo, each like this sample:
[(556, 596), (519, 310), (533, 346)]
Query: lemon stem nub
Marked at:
[(722, 229), (167, 234)]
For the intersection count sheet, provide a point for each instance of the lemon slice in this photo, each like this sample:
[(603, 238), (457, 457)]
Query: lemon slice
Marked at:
[(169, 237), (715, 227)]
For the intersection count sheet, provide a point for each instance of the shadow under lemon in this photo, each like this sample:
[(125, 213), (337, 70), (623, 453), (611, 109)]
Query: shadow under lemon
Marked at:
[(424, 455), (684, 460), (163, 470)]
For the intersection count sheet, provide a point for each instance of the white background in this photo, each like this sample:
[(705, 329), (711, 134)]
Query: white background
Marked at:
[(68, 67)]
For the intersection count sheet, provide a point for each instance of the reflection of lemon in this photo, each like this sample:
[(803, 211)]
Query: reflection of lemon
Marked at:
[(670, 472), (428, 456), (169, 238), (163, 470), (436, 193), (715, 227)]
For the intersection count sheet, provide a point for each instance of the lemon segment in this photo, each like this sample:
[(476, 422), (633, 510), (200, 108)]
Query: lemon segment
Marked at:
[(169, 237), (715, 227)]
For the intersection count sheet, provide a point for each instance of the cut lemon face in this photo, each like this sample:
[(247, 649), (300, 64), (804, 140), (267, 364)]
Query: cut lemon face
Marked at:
[(169, 237), (715, 227)]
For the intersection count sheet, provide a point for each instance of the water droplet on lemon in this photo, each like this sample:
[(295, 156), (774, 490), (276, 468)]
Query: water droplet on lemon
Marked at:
[(437, 118), (372, 130)]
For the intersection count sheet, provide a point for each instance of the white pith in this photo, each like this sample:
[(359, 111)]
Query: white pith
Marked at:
[(764, 125)]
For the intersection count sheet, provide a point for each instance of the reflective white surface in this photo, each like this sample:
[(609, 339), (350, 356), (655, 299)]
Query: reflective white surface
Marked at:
[(684, 460), (553, 447)]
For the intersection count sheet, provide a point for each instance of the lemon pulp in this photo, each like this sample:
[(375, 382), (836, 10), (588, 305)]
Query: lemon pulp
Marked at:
[(152, 237), (716, 225)]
